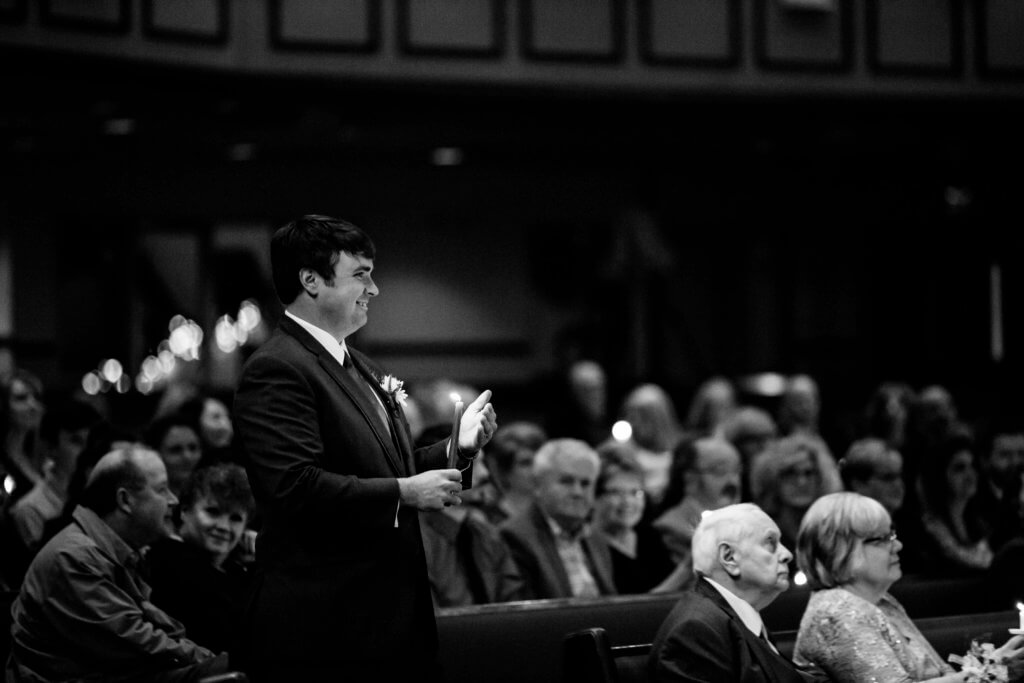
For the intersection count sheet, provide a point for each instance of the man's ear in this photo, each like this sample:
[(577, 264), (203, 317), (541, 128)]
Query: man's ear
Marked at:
[(727, 560), (309, 281), (124, 500)]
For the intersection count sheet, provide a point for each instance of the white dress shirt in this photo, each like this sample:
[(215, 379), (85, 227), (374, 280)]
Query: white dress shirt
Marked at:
[(750, 617)]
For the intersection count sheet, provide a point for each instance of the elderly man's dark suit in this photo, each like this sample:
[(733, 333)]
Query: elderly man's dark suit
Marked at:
[(340, 591), (703, 639), (533, 547)]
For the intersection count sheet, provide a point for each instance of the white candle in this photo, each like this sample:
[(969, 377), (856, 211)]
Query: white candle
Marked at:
[(453, 444), (1020, 608)]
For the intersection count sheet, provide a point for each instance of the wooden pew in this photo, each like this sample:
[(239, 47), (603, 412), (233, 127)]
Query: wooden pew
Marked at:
[(522, 641), (589, 656)]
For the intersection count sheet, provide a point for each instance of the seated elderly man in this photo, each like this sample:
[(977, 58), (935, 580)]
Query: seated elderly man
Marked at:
[(550, 540), (84, 612), (715, 632)]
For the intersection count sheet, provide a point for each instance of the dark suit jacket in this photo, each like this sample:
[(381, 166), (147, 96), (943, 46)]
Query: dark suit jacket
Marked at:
[(703, 639), (339, 587), (533, 548)]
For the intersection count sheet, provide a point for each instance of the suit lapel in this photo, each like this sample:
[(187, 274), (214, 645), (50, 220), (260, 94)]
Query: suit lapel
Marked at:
[(399, 439), (599, 566), (771, 663), (357, 395), (554, 567)]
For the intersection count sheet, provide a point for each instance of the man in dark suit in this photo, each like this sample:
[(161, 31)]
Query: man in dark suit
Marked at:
[(341, 587), (715, 632), (551, 544)]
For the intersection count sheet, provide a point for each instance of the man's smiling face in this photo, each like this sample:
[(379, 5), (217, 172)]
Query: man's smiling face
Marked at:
[(344, 300)]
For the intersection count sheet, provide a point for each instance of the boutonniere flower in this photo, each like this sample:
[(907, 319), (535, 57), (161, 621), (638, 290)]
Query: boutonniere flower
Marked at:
[(393, 388)]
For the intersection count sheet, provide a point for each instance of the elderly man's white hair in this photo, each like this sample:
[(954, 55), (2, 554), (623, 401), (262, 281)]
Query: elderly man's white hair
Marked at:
[(544, 460), (724, 525)]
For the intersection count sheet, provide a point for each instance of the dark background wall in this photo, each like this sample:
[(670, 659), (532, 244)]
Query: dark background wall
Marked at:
[(810, 194)]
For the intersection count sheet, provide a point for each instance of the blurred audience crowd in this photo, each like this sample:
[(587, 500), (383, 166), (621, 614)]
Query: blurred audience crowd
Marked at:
[(591, 500)]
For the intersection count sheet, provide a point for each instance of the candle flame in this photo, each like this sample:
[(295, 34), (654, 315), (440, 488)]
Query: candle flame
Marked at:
[(455, 397), (1020, 606)]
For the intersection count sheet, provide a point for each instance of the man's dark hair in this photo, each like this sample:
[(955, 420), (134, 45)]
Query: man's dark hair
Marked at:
[(225, 483), (999, 425), (313, 242), (70, 416), (100, 494), (512, 438), (861, 460)]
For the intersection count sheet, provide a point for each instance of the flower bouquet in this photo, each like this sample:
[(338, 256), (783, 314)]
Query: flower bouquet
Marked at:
[(981, 664)]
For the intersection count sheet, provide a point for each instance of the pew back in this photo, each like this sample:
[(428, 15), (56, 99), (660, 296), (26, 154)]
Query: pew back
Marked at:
[(590, 657), (513, 642), (522, 641)]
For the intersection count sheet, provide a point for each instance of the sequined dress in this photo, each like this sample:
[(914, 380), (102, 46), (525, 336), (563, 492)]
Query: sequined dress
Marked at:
[(856, 642)]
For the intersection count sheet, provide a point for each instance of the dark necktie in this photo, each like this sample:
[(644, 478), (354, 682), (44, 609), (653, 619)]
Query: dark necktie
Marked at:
[(368, 392)]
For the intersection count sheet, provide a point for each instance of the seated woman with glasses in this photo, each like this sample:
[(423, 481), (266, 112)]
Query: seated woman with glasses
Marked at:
[(787, 477), (640, 562), (852, 628)]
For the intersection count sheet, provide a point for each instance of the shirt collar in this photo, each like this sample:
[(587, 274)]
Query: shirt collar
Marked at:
[(105, 538), (559, 533), (746, 612), (334, 347)]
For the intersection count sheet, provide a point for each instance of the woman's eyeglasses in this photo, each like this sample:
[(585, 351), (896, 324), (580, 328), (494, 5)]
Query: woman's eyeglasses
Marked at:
[(624, 494), (889, 538)]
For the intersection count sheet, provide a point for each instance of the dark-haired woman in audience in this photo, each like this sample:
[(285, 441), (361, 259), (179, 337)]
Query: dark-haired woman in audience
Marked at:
[(103, 438), (711, 405), (21, 413), (640, 561), (211, 418), (199, 579), (176, 438), (853, 629), (651, 413), (955, 531), (508, 487)]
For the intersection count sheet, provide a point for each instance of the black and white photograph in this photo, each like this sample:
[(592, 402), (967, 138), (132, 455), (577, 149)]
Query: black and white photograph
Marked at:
[(507, 341)]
